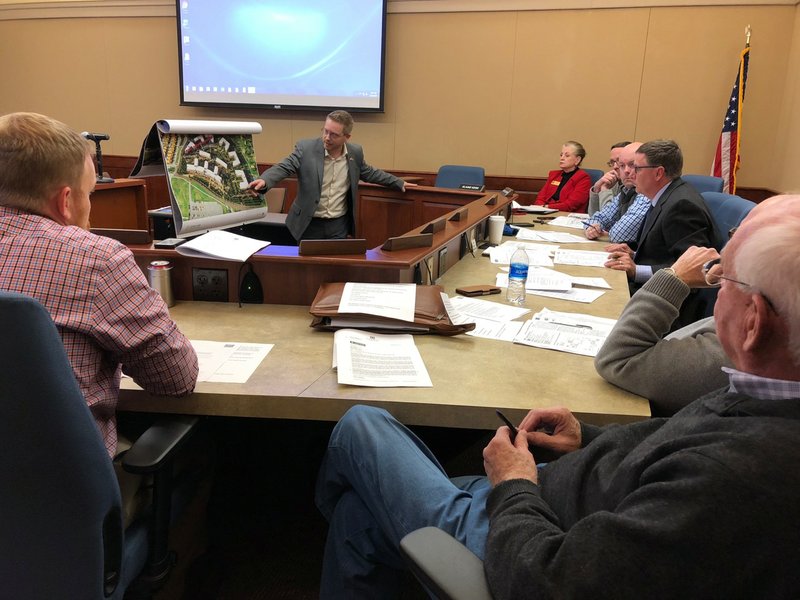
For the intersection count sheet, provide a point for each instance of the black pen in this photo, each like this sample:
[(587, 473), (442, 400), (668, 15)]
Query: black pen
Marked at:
[(523, 224), (507, 422)]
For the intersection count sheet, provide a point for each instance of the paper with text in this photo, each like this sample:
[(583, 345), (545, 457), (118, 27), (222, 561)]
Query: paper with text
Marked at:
[(571, 222), (462, 309), (573, 295), (375, 360), (228, 362), (566, 332), (393, 300), (538, 254), (504, 331), (555, 237), (533, 209), (582, 258)]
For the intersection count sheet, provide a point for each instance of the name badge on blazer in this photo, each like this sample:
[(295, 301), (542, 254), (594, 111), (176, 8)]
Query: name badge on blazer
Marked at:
[(555, 183)]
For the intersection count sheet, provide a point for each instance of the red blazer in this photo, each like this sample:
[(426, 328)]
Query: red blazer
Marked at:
[(574, 195)]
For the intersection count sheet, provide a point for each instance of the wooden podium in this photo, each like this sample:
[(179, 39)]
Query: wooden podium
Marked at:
[(120, 205)]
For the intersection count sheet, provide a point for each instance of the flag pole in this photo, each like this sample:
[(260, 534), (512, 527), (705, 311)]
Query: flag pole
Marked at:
[(747, 36)]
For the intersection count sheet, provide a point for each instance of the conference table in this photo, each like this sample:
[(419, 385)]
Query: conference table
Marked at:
[(471, 376)]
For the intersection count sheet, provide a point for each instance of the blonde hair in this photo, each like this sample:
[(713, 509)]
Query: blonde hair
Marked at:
[(38, 155), (343, 117)]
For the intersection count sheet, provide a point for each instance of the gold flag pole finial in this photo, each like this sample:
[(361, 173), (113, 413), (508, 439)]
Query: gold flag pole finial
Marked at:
[(747, 36)]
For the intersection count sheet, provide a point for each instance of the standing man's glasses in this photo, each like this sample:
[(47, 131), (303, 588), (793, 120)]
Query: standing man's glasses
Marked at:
[(638, 168)]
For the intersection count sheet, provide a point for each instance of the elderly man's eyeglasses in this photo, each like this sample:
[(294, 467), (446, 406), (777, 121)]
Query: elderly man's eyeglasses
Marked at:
[(638, 168), (713, 273), (613, 163)]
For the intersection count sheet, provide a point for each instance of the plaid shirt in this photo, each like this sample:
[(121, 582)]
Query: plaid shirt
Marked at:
[(624, 228), (762, 388), (108, 316)]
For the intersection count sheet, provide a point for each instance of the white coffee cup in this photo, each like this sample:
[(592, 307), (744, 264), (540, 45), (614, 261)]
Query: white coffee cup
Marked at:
[(496, 225)]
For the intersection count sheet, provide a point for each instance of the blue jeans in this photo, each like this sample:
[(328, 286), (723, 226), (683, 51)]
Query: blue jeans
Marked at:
[(377, 483)]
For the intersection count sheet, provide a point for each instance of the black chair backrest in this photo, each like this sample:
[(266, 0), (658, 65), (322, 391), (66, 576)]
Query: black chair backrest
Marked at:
[(60, 519)]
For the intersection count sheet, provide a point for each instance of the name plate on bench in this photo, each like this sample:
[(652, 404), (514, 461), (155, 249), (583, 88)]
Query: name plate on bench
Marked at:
[(434, 226), (402, 242), (343, 246), (460, 215)]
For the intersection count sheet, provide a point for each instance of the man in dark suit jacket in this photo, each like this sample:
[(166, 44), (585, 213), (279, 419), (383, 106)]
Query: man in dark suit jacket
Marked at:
[(328, 170), (678, 219)]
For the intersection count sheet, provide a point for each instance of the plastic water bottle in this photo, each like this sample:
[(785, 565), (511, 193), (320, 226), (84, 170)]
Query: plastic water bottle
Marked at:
[(517, 276)]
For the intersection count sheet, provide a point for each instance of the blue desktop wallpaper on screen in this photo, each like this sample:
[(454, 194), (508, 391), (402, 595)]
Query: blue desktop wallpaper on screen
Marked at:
[(310, 47)]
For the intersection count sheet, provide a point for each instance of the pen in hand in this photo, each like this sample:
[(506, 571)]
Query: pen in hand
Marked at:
[(508, 423)]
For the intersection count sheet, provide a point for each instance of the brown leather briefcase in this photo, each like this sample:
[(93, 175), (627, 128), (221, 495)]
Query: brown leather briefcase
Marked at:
[(430, 315)]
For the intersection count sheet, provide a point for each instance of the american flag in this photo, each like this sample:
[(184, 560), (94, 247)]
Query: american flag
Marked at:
[(726, 160)]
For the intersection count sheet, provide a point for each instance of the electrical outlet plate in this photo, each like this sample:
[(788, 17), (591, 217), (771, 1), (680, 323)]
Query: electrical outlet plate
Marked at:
[(210, 285)]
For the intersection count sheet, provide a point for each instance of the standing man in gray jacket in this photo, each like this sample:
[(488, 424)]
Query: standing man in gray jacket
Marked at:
[(328, 169)]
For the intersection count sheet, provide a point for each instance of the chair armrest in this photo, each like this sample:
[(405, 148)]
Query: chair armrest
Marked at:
[(444, 565), (157, 445)]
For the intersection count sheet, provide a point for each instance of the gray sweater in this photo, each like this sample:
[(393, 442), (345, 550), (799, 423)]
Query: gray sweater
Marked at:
[(701, 505), (670, 372)]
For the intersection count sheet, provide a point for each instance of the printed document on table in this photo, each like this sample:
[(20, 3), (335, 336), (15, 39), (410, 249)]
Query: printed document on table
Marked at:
[(462, 309), (597, 282), (571, 222), (538, 254), (533, 208), (376, 360), (583, 258), (495, 330), (566, 332), (555, 237), (573, 295), (221, 244), (540, 279), (228, 362), (393, 300)]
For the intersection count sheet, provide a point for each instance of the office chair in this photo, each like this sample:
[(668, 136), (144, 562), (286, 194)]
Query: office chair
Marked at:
[(704, 183), (61, 531), (444, 566), (727, 211), (454, 176), (594, 174)]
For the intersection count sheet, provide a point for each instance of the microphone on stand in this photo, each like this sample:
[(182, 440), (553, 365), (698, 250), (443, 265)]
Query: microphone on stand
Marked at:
[(97, 138)]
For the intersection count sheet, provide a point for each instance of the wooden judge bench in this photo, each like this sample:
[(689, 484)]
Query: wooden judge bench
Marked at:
[(454, 219), (471, 376)]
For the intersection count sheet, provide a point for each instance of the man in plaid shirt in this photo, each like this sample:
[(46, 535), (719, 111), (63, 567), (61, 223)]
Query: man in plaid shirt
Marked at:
[(623, 216), (108, 316)]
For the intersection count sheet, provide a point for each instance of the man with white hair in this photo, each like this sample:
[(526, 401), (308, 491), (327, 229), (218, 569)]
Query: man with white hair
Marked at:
[(702, 504)]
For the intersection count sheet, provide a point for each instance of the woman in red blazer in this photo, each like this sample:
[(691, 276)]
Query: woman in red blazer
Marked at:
[(568, 188)]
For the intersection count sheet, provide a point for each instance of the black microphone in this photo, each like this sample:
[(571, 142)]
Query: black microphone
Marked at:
[(95, 137)]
